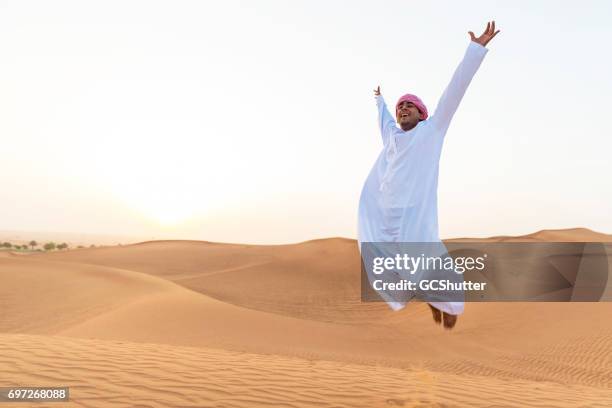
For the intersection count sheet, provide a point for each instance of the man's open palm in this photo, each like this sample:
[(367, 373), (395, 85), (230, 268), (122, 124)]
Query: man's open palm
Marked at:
[(485, 37)]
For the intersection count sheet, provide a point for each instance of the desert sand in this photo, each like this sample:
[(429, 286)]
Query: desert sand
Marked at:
[(201, 324)]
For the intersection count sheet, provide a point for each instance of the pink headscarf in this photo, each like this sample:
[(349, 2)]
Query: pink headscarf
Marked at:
[(416, 101)]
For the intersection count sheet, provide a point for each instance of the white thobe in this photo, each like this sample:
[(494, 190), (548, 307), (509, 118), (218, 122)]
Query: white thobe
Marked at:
[(398, 202)]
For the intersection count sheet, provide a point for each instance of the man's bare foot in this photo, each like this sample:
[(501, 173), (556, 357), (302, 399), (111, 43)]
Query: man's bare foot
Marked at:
[(437, 315), (449, 320)]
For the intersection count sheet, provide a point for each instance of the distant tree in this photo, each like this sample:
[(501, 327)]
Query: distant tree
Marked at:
[(49, 246), (63, 245), (92, 246), (33, 244), (6, 245), (80, 246)]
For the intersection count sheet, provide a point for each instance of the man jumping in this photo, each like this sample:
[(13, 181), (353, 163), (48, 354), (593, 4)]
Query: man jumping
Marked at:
[(398, 202)]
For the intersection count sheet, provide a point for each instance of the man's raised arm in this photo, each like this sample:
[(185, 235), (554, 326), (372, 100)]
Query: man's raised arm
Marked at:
[(386, 123), (449, 102)]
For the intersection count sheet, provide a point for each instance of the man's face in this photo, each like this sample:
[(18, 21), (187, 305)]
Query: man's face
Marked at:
[(408, 116)]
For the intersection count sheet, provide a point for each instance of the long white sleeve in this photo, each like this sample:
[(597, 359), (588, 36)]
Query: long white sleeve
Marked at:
[(386, 122), (449, 102)]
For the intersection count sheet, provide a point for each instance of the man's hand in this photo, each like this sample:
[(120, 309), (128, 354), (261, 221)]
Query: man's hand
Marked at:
[(486, 36), (377, 91)]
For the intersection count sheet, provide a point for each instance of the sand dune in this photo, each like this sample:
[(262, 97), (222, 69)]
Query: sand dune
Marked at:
[(192, 323), (127, 374), (560, 235)]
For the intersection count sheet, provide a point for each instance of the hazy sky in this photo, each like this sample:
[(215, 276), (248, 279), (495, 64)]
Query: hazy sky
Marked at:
[(254, 121)]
